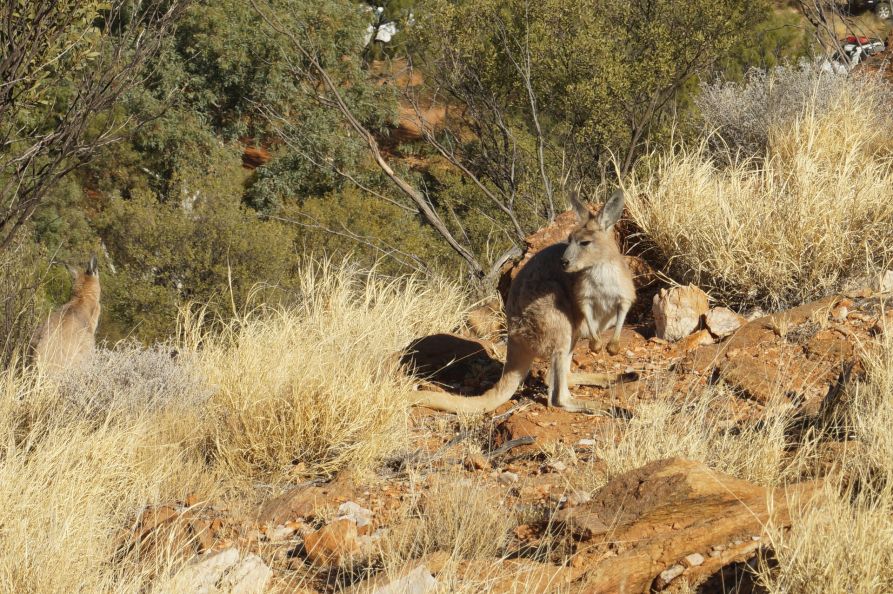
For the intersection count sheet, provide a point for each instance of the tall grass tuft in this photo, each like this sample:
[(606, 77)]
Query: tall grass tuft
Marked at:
[(808, 216), (316, 388), (841, 540)]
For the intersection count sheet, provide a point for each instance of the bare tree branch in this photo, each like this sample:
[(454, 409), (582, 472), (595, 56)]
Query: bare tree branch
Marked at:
[(425, 209), (45, 43)]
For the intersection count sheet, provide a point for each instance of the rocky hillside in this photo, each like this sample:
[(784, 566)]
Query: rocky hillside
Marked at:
[(727, 429)]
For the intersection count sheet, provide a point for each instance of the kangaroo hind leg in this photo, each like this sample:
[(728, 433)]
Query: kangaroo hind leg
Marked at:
[(559, 391)]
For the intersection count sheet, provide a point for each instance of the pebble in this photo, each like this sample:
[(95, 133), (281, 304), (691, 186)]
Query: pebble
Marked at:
[(508, 478), (280, 533), (556, 466), (671, 573), (694, 560)]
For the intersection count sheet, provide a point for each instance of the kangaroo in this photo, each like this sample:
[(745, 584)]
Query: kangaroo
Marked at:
[(567, 290), (68, 335)]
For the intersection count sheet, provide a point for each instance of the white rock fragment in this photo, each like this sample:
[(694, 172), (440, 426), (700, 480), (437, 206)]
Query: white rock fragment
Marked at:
[(353, 511), (417, 581), (508, 478), (677, 311), (722, 321)]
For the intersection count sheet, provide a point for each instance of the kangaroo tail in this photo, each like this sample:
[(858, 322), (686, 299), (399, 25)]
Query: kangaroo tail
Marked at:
[(517, 364)]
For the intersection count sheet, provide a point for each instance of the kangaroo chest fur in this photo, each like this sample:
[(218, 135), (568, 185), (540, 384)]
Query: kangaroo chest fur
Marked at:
[(602, 287)]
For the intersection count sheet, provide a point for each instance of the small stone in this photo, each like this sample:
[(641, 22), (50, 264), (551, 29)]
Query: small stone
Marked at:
[(477, 462), (840, 313), (885, 282), (280, 533), (756, 538), (417, 581), (333, 544), (508, 478), (223, 571), (722, 321), (694, 341), (677, 311), (669, 574), (360, 516), (715, 553), (577, 498), (556, 466), (693, 560), (586, 443)]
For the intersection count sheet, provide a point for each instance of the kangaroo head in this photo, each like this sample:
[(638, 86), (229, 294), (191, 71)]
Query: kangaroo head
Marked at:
[(86, 280), (92, 268), (592, 239)]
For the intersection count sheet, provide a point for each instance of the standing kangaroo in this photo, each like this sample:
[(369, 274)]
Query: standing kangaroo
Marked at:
[(68, 335), (566, 290)]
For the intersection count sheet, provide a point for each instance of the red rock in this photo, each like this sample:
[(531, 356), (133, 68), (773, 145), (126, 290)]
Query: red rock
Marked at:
[(477, 462), (666, 511), (305, 501), (693, 341), (333, 544)]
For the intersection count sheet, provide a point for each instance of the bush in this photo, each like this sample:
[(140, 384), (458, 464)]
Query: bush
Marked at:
[(807, 217), (738, 117), (133, 380)]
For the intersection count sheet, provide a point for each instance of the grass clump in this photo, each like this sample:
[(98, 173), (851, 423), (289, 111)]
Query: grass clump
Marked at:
[(69, 485), (805, 217), (316, 388), (694, 429), (841, 539)]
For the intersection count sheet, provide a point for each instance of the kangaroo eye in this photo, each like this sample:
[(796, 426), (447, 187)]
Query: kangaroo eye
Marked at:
[(585, 243)]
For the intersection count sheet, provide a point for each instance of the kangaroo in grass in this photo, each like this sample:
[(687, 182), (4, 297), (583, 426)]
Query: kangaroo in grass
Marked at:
[(68, 335), (566, 290)]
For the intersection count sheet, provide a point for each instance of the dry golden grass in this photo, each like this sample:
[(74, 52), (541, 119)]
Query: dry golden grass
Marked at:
[(693, 429), (842, 538), (803, 220), (69, 485), (450, 514), (316, 388)]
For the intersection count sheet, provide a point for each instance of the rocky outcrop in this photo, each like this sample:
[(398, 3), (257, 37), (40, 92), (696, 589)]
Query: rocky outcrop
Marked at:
[(649, 526)]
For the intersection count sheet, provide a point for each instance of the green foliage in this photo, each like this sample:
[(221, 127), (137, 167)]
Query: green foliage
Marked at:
[(780, 38), (175, 217), (607, 72), (166, 255)]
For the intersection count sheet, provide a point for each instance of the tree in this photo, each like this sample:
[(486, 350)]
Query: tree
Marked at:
[(64, 64), (309, 68)]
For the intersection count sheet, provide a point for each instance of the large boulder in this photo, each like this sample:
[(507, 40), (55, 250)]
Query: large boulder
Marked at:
[(643, 526)]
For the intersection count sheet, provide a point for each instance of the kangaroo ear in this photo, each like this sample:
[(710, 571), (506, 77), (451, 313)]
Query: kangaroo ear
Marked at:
[(92, 266), (583, 213), (611, 211)]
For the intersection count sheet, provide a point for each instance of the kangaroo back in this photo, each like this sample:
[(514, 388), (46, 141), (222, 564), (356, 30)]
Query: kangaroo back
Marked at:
[(67, 337)]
